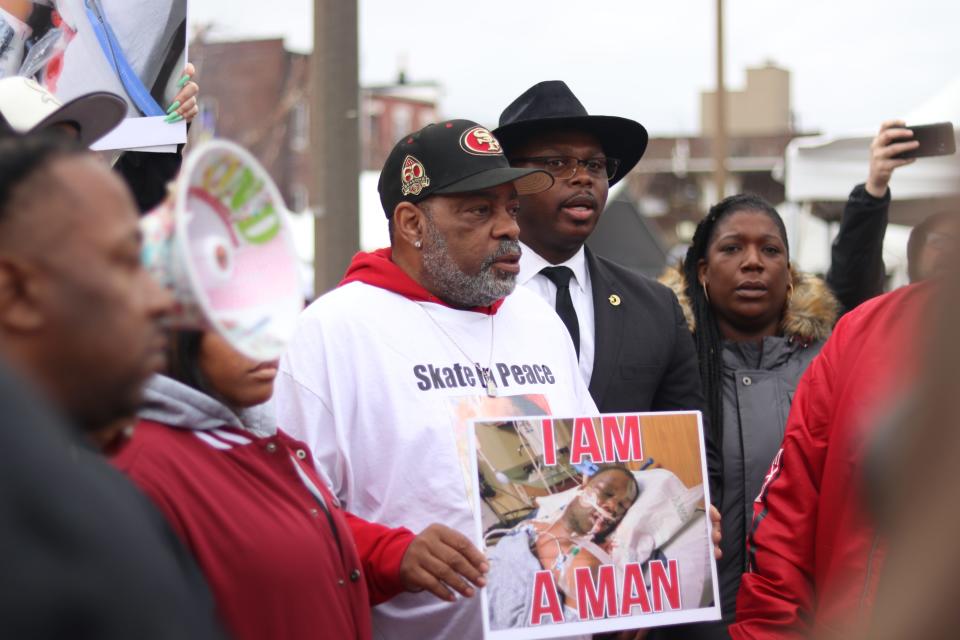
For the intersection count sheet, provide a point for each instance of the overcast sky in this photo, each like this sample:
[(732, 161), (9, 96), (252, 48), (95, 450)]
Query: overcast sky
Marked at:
[(854, 62)]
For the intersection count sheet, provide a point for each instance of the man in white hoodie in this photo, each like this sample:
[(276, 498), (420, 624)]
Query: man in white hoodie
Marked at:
[(385, 371)]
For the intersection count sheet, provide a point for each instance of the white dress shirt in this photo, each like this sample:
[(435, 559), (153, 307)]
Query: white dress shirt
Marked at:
[(581, 293)]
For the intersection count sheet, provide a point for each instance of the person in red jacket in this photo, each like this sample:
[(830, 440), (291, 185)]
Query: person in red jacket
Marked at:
[(814, 555), (282, 558)]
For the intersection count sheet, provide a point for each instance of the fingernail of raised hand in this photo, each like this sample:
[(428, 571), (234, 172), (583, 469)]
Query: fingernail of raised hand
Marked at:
[(173, 117), (173, 107), (184, 80)]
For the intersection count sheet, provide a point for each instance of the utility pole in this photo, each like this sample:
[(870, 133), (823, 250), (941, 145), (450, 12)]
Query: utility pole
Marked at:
[(720, 130), (334, 140)]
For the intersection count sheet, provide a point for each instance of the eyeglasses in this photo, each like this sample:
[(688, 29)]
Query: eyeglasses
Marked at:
[(565, 167)]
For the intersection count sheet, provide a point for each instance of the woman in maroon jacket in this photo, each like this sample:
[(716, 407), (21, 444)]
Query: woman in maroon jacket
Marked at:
[(283, 559)]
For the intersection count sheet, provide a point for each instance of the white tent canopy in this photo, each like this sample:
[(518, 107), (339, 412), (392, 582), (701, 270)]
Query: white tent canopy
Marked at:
[(825, 168)]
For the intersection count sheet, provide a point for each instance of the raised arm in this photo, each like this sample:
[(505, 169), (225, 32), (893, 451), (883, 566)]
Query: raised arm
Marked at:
[(857, 271)]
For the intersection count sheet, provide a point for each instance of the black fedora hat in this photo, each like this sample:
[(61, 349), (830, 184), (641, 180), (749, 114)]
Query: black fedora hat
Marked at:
[(550, 105)]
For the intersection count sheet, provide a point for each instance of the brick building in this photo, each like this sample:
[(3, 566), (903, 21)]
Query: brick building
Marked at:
[(672, 187), (389, 112), (673, 183), (256, 93)]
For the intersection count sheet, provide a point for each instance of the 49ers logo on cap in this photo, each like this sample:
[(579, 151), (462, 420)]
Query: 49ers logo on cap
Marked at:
[(480, 142), (413, 177)]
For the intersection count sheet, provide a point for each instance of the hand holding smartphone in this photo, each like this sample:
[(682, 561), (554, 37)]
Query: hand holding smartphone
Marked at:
[(935, 140)]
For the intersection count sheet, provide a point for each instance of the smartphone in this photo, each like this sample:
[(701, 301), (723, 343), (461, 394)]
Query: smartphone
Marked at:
[(935, 140)]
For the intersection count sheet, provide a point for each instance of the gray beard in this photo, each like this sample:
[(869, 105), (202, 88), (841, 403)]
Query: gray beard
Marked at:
[(460, 289)]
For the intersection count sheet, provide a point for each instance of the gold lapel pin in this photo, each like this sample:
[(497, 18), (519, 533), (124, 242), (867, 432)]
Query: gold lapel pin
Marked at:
[(614, 300)]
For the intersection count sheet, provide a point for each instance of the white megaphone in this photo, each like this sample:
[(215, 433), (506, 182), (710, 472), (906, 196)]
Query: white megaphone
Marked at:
[(223, 245)]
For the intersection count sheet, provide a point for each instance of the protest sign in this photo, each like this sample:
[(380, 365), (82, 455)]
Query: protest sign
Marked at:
[(134, 48), (593, 523)]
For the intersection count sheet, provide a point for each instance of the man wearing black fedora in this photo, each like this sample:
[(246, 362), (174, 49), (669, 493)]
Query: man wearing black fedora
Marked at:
[(635, 351), (634, 348)]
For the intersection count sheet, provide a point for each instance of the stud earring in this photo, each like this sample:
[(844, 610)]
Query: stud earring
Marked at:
[(418, 244)]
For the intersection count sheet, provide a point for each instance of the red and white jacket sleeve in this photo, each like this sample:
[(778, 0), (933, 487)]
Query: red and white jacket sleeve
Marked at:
[(381, 549), (776, 597)]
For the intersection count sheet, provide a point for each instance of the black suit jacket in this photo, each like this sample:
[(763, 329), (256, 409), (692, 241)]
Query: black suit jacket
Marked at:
[(644, 356), (645, 360)]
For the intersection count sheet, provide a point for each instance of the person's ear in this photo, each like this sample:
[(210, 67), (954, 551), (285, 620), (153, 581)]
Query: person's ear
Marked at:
[(702, 272), (408, 224), (20, 308)]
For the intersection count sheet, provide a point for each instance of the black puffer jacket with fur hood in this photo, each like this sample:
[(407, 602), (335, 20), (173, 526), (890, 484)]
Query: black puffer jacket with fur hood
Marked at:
[(758, 386)]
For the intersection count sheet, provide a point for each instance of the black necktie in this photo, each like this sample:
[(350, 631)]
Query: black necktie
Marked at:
[(560, 276)]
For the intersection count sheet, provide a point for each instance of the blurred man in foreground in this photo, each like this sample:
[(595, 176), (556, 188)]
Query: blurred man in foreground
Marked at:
[(80, 329), (814, 554)]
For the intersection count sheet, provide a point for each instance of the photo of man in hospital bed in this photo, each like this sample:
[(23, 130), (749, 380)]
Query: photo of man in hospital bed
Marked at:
[(560, 517)]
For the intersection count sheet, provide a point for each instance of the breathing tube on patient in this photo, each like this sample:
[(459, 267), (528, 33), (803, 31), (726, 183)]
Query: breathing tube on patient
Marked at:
[(588, 497)]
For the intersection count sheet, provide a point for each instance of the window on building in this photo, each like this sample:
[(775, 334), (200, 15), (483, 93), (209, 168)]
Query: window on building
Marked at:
[(425, 115), (373, 124), (299, 197), (300, 127), (205, 125), (402, 120)]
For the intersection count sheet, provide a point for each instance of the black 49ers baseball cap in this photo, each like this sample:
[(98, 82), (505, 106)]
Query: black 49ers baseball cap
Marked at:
[(456, 156)]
